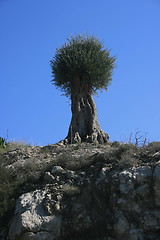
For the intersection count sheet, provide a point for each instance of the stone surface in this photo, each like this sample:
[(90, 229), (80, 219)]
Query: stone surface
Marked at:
[(31, 221), (48, 177), (101, 201), (57, 169), (156, 176)]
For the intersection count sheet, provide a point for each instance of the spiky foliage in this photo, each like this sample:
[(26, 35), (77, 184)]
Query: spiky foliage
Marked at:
[(83, 56)]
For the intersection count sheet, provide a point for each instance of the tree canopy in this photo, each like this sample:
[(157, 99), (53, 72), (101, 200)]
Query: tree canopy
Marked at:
[(82, 56)]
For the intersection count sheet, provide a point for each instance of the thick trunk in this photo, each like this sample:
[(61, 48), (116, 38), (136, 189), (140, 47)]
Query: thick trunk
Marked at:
[(84, 126)]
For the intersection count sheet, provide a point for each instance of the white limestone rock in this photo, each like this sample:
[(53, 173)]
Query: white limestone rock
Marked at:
[(142, 174), (31, 219)]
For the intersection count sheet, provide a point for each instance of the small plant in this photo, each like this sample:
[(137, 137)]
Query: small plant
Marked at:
[(2, 142), (124, 148), (154, 146), (115, 144), (128, 159), (138, 138), (8, 189), (3, 145)]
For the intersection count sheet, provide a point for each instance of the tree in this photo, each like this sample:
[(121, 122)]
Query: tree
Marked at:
[(80, 68)]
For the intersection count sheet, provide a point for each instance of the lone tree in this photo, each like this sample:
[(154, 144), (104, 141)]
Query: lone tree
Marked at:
[(80, 68)]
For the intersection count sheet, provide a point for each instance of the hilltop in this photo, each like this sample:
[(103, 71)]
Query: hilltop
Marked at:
[(80, 191)]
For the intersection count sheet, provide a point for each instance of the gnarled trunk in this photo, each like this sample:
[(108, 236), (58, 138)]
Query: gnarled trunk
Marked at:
[(84, 126)]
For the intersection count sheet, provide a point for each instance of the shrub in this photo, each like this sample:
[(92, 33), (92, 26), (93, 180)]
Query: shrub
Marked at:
[(3, 145), (123, 148), (2, 142), (115, 144), (128, 159), (8, 189), (154, 146)]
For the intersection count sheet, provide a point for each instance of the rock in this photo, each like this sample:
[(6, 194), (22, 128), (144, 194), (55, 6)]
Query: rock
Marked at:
[(134, 233), (31, 220), (143, 190), (150, 221), (102, 175), (99, 201), (52, 203), (57, 170), (157, 154), (121, 225), (142, 174), (48, 177), (70, 174), (126, 181), (156, 177), (37, 236)]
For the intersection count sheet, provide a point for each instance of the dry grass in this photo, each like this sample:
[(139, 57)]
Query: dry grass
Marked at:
[(73, 157)]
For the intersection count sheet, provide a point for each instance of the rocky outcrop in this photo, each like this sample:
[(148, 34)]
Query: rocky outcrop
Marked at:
[(99, 203), (32, 218)]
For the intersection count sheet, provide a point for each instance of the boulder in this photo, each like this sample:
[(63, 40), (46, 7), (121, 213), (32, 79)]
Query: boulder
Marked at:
[(31, 220)]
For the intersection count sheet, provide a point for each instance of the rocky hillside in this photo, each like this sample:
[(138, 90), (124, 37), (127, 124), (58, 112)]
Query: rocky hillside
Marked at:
[(80, 192)]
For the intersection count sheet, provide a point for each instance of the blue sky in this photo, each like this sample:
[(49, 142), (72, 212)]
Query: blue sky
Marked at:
[(34, 111)]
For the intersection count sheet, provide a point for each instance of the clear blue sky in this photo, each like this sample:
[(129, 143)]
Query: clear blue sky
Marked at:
[(30, 30)]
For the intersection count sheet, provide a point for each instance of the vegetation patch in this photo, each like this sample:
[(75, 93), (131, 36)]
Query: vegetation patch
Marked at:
[(9, 188), (22, 167)]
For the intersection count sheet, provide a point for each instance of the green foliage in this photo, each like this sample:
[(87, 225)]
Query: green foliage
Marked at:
[(115, 144), (2, 142), (3, 145), (8, 189), (154, 146), (82, 56)]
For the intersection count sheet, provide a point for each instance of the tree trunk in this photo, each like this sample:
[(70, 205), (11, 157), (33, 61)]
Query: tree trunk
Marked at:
[(84, 126)]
